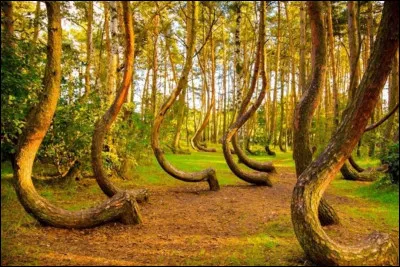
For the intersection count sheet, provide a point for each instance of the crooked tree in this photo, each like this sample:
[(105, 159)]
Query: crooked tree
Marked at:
[(209, 174), (378, 249), (122, 206)]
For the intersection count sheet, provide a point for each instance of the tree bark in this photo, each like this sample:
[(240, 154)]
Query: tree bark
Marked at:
[(257, 178), (353, 47), (378, 248), (89, 47), (8, 23), (309, 101), (121, 207), (302, 70), (36, 23), (103, 125), (272, 135), (209, 174)]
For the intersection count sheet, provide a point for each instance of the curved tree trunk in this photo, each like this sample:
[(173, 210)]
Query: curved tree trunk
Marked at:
[(209, 174), (243, 158), (378, 248), (103, 125), (257, 178), (196, 138), (351, 170), (309, 101), (121, 207)]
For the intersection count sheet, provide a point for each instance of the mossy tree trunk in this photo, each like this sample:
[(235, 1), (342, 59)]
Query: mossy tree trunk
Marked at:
[(378, 248)]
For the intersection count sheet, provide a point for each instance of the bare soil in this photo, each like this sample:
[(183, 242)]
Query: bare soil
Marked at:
[(189, 225)]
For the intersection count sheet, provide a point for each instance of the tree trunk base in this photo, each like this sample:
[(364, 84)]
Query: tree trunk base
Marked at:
[(349, 173), (326, 214)]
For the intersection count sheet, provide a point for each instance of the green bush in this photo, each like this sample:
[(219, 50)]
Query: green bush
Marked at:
[(391, 157)]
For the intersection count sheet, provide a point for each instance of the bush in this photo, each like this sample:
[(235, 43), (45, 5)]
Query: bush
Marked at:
[(391, 157)]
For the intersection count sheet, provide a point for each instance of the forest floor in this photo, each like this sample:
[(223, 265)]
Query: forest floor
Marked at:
[(186, 224)]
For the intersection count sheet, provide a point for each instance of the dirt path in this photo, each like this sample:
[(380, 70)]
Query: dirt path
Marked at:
[(189, 225)]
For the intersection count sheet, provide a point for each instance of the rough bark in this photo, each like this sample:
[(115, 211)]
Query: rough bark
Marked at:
[(103, 125), (309, 101), (378, 248), (258, 178), (209, 174), (121, 207)]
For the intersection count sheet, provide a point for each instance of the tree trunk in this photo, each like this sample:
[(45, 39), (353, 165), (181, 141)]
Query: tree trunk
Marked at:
[(155, 66), (89, 47), (305, 109), (378, 248), (103, 125), (196, 138), (393, 97), (209, 174), (280, 142), (8, 23), (36, 23), (302, 70), (272, 135), (353, 47), (122, 206), (257, 178), (331, 41)]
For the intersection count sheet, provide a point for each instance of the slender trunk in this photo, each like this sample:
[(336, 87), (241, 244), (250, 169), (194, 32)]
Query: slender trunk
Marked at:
[(302, 75), (272, 134), (36, 23), (331, 41), (89, 46), (155, 66), (353, 47)]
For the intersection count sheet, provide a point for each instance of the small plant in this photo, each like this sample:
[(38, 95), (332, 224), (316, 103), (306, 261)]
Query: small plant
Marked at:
[(391, 157)]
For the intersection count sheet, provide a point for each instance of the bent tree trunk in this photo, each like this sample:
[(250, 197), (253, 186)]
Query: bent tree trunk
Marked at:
[(104, 123), (351, 171), (257, 178), (378, 248), (122, 206), (196, 138), (308, 103), (209, 174), (243, 158)]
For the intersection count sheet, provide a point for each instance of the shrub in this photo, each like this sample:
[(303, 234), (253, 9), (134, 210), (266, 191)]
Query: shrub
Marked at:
[(391, 157)]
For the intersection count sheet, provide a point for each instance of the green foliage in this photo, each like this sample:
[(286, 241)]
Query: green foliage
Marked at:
[(391, 157), (20, 85)]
